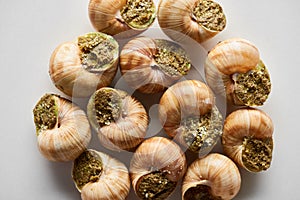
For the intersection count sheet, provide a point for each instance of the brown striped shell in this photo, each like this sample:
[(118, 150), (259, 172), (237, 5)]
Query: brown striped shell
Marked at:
[(212, 177), (69, 134), (188, 99), (127, 129), (143, 72), (226, 61), (105, 16), (68, 74), (157, 154), (111, 183), (247, 139), (177, 20)]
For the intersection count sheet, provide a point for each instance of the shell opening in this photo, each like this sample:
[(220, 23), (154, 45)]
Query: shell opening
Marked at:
[(201, 132), (155, 185), (200, 192), (138, 14), (98, 51), (87, 168), (46, 113), (252, 88), (257, 153), (209, 14), (171, 58), (108, 107)]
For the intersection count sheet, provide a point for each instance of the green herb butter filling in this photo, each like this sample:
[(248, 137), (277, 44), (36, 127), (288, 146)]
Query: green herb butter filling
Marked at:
[(171, 58), (155, 185), (87, 168), (138, 14), (209, 14), (200, 192), (252, 88), (107, 106), (257, 153), (97, 51), (202, 132), (46, 113)]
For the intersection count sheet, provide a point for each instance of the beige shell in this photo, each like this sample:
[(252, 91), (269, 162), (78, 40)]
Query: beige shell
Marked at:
[(142, 72), (228, 59), (69, 134), (127, 130), (176, 19), (157, 154), (248, 132), (71, 77), (190, 98), (113, 183), (105, 16), (212, 177)]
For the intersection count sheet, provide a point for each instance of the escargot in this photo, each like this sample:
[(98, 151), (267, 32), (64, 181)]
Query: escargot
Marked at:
[(128, 17), (233, 68), (150, 65), (62, 128), (188, 113), (247, 139), (156, 167), (197, 19), (97, 175), (120, 120), (214, 177), (78, 68)]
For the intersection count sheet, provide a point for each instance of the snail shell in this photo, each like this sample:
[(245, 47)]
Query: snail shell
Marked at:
[(98, 176), (150, 65), (63, 131), (80, 67), (247, 139), (129, 17), (197, 19), (212, 177), (233, 68), (156, 167), (120, 120), (187, 111)]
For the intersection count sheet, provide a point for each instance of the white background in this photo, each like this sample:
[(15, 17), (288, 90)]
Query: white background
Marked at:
[(31, 29)]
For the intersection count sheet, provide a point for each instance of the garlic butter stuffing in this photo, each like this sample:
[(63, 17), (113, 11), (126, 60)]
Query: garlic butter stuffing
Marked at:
[(248, 140), (63, 131), (197, 19), (233, 68), (156, 167), (188, 113), (128, 17), (99, 176), (80, 67), (120, 120), (214, 177), (150, 65)]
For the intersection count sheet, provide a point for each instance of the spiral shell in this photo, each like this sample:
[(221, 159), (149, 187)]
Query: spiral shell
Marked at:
[(156, 167), (212, 177), (120, 120), (98, 176), (247, 139), (150, 65), (78, 68), (197, 19), (63, 131), (233, 68), (187, 111), (128, 17)]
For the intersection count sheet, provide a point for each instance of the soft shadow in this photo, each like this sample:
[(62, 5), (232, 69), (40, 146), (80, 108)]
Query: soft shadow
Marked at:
[(148, 99), (249, 185), (61, 174)]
